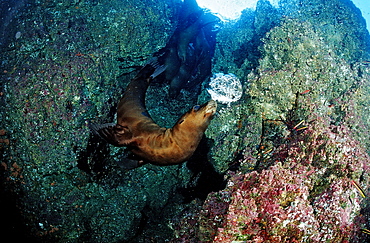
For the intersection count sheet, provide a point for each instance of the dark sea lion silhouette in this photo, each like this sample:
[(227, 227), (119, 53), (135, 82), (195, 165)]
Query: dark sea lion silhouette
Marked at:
[(189, 51)]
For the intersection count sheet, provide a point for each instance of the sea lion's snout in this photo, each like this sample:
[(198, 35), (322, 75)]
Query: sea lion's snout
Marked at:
[(211, 107)]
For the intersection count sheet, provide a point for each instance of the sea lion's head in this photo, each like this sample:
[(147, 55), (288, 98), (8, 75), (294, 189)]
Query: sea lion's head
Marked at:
[(196, 120)]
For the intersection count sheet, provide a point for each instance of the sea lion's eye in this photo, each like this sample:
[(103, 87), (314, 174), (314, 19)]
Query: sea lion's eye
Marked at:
[(196, 107)]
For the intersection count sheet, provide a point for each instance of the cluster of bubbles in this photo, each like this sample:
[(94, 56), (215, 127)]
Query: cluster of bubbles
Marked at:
[(225, 88)]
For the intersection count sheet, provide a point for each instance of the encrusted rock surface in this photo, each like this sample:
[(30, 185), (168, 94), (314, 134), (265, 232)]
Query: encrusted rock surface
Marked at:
[(291, 149)]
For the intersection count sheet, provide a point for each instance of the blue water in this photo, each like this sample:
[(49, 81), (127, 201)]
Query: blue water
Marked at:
[(364, 6), (231, 9)]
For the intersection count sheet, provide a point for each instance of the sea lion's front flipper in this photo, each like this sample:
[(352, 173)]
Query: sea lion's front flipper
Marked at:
[(114, 134)]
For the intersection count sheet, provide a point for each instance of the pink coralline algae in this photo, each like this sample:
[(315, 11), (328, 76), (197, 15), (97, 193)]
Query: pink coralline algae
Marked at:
[(305, 196), (268, 206)]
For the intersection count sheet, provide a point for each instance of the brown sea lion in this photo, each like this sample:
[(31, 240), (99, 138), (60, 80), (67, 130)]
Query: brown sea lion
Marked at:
[(154, 144)]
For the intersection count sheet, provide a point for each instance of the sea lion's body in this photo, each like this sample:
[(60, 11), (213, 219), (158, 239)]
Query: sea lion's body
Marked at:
[(152, 143)]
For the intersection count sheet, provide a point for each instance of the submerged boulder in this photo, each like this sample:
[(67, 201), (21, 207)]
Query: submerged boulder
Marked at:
[(294, 147)]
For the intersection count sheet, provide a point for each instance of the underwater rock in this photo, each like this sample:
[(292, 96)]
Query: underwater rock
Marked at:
[(343, 27), (298, 135), (303, 121), (308, 194), (59, 74)]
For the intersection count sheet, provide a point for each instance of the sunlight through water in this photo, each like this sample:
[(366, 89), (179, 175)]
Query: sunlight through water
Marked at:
[(231, 9)]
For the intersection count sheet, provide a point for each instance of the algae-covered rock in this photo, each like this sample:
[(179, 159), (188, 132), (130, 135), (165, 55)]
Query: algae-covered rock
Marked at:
[(340, 20), (300, 74), (59, 74), (235, 127), (237, 46), (298, 65), (295, 142), (303, 175)]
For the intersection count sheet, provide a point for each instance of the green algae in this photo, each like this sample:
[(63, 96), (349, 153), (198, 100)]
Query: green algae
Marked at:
[(61, 74)]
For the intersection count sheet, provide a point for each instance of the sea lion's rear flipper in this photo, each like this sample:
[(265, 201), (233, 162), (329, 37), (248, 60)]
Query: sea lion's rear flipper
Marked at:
[(129, 164), (150, 70), (158, 70), (114, 134)]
